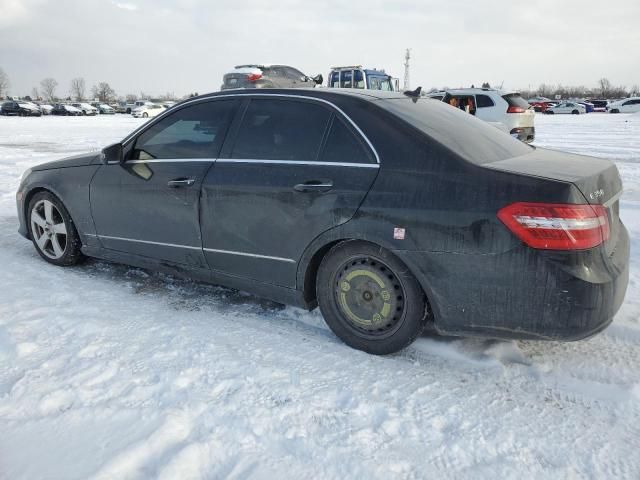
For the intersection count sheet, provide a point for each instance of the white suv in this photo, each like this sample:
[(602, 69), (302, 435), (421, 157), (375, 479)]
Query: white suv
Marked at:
[(626, 105), (505, 110)]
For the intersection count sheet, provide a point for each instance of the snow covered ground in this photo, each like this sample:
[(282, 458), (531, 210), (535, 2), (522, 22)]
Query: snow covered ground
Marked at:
[(111, 372)]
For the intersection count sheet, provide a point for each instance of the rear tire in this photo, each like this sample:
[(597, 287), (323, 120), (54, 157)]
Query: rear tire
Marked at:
[(145, 115), (369, 298), (576, 112), (615, 110), (52, 230)]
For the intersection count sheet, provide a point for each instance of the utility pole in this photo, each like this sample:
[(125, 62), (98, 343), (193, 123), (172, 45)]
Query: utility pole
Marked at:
[(407, 56)]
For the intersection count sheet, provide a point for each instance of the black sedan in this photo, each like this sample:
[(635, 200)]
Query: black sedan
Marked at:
[(390, 212), (20, 109), (65, 110)]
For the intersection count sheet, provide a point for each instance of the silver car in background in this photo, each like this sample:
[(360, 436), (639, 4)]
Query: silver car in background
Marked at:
[(268, 76)]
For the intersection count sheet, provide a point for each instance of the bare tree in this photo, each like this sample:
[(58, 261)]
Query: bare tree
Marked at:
[(103, 92), (131, 97), (78, 88), (35, 94), (4, 83), (605, 87), (48, 86)]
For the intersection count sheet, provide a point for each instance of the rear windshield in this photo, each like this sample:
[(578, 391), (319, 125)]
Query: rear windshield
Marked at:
[(516, 100), (472, 139)]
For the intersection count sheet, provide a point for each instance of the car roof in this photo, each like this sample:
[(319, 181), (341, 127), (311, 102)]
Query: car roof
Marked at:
[(322, 93), (481, 91)]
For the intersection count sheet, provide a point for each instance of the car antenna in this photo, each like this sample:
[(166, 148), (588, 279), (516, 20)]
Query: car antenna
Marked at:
[(415, 94)]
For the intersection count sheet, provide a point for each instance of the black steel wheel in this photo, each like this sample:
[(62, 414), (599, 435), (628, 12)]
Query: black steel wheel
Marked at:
[(369, 298)]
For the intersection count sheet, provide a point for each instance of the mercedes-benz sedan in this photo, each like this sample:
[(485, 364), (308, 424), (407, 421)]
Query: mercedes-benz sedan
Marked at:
[(390, 212)]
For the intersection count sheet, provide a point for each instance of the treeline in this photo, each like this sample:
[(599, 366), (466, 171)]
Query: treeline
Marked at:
[(605, 89), (50, 91)]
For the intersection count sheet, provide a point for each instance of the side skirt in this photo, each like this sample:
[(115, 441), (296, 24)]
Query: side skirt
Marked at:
[(287, 296)]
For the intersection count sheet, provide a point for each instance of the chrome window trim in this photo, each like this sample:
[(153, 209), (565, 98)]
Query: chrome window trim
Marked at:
[(253, 95), (254, 255), (172, 160), (298, 162)]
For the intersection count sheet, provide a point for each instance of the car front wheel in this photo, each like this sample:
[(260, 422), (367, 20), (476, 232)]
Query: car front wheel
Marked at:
[(52, 230), (369, 298)]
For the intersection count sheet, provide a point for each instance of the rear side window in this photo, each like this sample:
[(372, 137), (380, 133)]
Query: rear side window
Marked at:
[(474, 140), (343, 146), (483, 101), (516, 100), (196, 131), (281, 130), (358, 79), (346, 79), (334, 80)]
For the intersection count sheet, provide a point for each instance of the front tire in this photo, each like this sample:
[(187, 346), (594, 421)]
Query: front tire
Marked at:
[(52, 230), (145, 115), (615, 110), (369, 298), (576, 112)]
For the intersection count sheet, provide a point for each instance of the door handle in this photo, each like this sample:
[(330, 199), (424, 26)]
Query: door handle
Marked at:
[(314, 186), (181, 182)]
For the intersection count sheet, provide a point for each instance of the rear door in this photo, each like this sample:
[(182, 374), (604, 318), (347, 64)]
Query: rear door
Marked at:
[(297, 168)]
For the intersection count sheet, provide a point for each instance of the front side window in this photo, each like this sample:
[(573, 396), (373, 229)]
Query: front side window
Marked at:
[(196, 131), (281, 130), (374, 83), (334, 81), (358, 79)]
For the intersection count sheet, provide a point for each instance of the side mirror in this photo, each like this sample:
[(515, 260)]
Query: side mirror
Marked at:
[(112, 154), (318, 79)]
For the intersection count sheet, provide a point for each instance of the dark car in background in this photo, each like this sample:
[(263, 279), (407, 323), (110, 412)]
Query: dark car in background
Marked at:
[(268, 76), (19, 108), (65, 110), (389, 212)]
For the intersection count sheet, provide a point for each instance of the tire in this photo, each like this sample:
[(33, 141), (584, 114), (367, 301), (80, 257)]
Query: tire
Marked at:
[(550, 112), (615, 110), (369, 298), (145, 115), (576, 112), (57, 248), (128, 111)]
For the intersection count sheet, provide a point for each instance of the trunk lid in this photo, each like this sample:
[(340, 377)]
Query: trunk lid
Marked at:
[(597, 179)]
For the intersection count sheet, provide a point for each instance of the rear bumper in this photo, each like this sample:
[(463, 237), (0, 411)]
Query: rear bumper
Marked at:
[(524, 293)]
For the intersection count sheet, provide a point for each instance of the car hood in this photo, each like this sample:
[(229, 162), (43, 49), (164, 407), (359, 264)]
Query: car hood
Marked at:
[(75, 161)]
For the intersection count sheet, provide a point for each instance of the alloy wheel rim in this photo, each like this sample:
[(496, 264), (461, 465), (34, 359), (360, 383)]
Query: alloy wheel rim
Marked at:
[(49, 229), (370, 297)]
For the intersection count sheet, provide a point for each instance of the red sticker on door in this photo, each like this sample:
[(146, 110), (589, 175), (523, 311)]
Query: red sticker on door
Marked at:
[(398, 233)]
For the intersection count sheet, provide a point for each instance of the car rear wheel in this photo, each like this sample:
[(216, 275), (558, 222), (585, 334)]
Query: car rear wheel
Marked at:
[(575, 112), (615, 110), (52, 231), (369, 298), (145, 115)]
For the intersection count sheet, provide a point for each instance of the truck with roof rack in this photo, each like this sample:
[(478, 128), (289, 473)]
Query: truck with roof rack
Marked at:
[(354, 76)]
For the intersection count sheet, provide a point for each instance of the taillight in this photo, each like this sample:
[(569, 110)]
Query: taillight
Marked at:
[(252, 77), (514, 109), (552, 226)]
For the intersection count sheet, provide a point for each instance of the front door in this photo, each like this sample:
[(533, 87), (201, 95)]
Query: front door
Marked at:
[(149, 204), (296, 169)]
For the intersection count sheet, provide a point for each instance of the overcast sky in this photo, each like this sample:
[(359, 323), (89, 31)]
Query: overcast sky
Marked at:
[(181, 46)]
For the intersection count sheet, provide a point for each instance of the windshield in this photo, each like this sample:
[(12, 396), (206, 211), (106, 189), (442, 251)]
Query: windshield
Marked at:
[(471, 138)]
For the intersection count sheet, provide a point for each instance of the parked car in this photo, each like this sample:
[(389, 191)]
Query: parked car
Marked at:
[(600, 105), (103, 108), (130, 107), (505, 110), (626, 105), (120, 107), (540, 107), (268, 76), (63, 109), (45, 108), (389, 212), (20, 109), (148, 110), (588, 106), (362, 78), (567, 107), (85, 108)]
